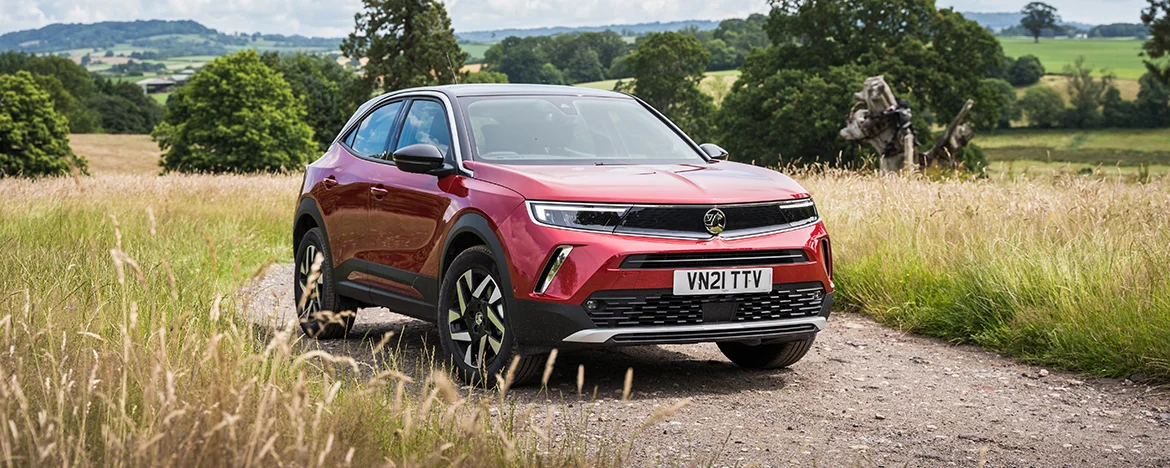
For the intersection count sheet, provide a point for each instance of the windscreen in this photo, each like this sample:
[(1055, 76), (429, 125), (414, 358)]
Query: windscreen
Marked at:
[(571, 130)]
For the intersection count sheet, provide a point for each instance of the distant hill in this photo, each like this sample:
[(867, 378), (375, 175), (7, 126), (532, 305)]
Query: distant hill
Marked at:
[(160, 38), (623, 29), (55, 37)]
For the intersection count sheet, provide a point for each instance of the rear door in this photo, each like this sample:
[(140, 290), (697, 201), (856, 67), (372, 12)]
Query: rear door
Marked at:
[(406, 212), (366, 143)]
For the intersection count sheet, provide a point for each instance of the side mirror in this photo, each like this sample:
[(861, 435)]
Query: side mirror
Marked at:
[(422, 159), (714, 151)]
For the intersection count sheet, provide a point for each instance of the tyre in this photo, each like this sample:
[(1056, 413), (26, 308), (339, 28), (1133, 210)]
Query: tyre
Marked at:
[(323, 314), (765, 356), (474, 329)]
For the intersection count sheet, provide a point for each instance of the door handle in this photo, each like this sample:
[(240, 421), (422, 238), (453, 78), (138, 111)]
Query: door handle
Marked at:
[(329, 182), (379, 192)]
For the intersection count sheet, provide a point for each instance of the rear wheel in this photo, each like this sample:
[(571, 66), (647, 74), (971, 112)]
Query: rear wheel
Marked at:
[(323, 314), (474, 326), (765, 356)]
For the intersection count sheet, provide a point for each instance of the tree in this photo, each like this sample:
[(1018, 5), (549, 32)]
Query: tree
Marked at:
[(1025, 71), (1039, 16), (235, 115), (1117, 112), (68, 85), (937, 59), (1042, 106), (522, 59), (1085, 94), (34, 138), (793, 114), (409, 43), (1153, 103), (1008, 111), (1156, 17), (330, 92), (667, 69), (485, 77), (124, 108)]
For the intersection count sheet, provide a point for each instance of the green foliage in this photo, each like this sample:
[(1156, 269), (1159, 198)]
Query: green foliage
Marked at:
[(1043, 106), (485, 77), (409, 44), (1153, 103), (1039, 16), (1008, 111), (1025, 71), (235, 115), (563, 59), (791, 115), (935, 58), (730, 43), (1085, 94), (1156, 17), (1120, 30), (330, 92), (68, 85), (34, 138), (124, 108), (667, 69), (1116, 111), (98, 35)]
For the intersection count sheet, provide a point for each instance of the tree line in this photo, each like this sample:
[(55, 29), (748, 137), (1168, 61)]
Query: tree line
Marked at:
[(252, 112)]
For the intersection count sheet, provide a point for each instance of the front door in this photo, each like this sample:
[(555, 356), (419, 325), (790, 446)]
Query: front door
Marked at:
[(406, 211)]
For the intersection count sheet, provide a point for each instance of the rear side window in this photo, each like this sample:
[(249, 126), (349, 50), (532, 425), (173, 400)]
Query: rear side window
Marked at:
[(372, 135), (426, 122)]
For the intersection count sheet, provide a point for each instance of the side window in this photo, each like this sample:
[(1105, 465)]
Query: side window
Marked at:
[(426, 122), (371, 136)]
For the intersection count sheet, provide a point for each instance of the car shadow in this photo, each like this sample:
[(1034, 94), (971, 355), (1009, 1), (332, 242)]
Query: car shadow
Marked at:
[(662, 371)]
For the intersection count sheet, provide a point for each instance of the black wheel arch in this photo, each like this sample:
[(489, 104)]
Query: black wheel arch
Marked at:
[(472, 229), (308, 216)]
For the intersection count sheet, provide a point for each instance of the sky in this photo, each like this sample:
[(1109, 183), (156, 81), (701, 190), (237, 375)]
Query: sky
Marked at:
[(334, 18)]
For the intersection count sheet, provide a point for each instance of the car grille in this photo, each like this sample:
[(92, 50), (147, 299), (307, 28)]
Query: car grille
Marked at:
[(714, 259), (742, 220), (661, 307)]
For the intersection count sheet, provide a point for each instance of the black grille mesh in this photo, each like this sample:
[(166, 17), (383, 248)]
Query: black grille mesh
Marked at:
[(662, 307), (687, 220)]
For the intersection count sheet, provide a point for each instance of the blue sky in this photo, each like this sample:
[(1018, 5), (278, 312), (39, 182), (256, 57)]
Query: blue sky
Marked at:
[(335, 17)]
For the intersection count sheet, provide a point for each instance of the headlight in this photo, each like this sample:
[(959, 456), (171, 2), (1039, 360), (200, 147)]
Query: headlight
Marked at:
[(588, 217)]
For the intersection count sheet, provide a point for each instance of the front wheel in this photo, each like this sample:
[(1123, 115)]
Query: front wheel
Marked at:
[(474, 325), (323, 314), (765, 356)]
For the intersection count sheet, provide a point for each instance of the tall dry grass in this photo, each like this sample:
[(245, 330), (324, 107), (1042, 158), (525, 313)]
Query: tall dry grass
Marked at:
[(1070, 272), (122, 343)]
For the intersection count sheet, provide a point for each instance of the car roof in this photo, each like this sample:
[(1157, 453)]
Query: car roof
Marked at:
[(467, 90)]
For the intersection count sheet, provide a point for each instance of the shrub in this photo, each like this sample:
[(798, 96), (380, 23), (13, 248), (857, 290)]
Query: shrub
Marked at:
[(34, 138), (235, 115), (1025, 71), (1042, 106)]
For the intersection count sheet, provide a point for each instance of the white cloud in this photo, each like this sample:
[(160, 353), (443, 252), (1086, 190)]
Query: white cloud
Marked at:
[(335, 17)]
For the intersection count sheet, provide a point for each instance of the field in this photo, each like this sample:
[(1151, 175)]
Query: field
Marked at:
[(121, 293), (1119, 55), (475, 51), (1129, 148)]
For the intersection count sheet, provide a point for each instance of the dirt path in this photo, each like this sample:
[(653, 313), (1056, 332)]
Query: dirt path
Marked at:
[(864, 395)]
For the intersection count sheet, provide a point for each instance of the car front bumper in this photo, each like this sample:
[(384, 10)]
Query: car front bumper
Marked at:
[(541, 326)]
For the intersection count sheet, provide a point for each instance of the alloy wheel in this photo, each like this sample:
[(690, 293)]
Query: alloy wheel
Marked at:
[(312, 304), (476, 318)]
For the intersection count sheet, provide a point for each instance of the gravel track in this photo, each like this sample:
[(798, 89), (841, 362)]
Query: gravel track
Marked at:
[(865, 395)]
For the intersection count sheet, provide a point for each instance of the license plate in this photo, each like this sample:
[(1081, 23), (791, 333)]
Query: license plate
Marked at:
[(737, 281)]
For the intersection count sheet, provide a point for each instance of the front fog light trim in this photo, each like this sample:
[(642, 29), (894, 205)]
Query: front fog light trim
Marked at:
[(560, 254)]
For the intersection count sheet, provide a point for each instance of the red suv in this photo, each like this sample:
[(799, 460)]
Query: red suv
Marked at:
[(523, 218)]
